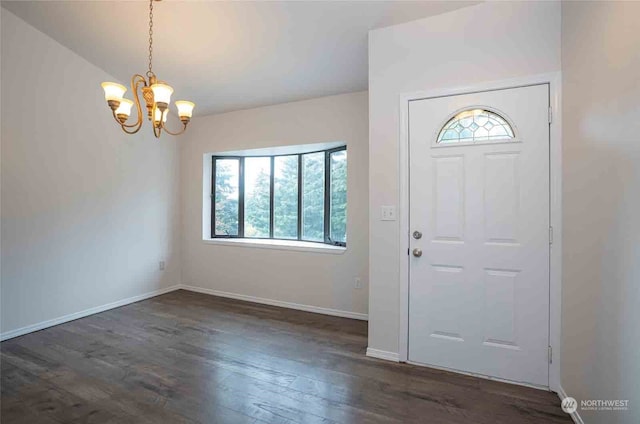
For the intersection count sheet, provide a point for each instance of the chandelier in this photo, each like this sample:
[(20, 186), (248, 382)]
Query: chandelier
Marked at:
[(156, 94)]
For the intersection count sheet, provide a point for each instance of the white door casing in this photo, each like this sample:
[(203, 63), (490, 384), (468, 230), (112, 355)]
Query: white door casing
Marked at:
[(479, 295)]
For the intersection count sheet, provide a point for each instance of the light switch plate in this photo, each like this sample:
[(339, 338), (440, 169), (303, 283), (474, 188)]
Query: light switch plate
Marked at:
[(388, 213)]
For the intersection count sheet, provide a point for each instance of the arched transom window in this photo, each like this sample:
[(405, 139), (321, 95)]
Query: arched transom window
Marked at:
[(474, 125)]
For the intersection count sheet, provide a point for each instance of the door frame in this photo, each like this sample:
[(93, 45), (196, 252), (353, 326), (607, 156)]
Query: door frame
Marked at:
[(555, 206)]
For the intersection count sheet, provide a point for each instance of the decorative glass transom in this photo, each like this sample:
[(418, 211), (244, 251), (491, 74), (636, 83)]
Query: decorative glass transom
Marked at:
[(473, 125)]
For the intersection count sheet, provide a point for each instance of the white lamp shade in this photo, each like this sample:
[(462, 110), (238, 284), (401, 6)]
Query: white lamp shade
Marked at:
[(185, 108), (158, 113), (162, 93), (113, 91), (125, 107)]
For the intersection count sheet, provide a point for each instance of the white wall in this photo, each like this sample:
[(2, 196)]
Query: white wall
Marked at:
[(601, 140), (490, 41), (307, 278), (87, 212)]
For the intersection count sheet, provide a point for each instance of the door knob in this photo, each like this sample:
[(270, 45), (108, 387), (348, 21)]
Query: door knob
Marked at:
[(417, 252)]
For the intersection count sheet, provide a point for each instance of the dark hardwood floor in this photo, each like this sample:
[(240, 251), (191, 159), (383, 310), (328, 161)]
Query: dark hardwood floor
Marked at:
[(185, 357)]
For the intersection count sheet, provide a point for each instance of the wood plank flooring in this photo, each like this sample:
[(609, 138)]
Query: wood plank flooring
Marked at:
[(185, 357)]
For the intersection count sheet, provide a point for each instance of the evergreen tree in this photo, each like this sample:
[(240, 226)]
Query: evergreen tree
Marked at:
[(226, 196), (257, 207), (286, 197), (313, 197), (339, 197)]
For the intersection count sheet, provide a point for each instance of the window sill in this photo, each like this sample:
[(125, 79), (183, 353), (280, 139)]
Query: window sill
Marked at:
[(300, 246)]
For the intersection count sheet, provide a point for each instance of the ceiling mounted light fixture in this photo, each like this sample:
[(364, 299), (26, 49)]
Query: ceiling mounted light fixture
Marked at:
[(156, 94)]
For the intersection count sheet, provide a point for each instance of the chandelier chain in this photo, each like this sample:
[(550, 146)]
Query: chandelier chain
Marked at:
[(150, 72)]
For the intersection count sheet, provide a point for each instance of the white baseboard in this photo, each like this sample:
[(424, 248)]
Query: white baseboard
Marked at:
[(81, 314), (383, 354), (574, 416), (283, 304), (76, 315)]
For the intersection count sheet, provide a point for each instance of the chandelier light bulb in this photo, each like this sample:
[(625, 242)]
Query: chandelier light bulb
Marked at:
[(124, 109), (158, 114), (113, 91), (162, 94), (185, 108)]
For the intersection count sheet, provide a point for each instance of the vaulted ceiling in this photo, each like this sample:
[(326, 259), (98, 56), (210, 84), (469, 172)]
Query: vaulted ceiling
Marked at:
[(229, 55)]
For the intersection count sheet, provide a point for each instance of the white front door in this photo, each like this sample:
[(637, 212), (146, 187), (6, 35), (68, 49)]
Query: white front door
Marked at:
[(479, 196)]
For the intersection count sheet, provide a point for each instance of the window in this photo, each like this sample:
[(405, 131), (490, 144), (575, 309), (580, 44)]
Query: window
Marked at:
[(290, 197), (473, 125)]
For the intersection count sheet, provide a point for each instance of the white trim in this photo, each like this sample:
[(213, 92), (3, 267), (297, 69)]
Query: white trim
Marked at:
[(297, 149), (555, 220), (555, 152), (574, 416), (382, 354), (403, 214), (294, 245), (280, 303), (76, 315)]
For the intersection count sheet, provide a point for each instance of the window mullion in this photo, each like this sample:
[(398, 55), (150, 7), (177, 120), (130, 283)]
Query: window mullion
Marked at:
[(241, 199), (213, 198), (327, 196), (299, 197), (271, 197)]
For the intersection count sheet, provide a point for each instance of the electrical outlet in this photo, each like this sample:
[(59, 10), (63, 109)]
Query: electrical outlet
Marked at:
[(161, 265), (388, 213), (357, 283)]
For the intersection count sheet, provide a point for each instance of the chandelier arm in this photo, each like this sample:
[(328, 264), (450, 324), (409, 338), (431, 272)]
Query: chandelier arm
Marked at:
[(157, 128), (134, 86), (184, 128), (124, 127), (164, 127), (136, 80), (131, 132)]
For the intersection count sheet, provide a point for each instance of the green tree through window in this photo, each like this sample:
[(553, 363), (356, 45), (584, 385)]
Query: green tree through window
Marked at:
[(313, 196), (338, 196), (285, 197), (227, 173), (257, 200)]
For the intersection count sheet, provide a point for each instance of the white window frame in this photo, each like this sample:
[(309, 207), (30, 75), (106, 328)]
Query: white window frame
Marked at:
[(265, 243)]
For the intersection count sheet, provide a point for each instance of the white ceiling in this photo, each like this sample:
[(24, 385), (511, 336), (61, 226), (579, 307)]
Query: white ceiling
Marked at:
[(229, 55)]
